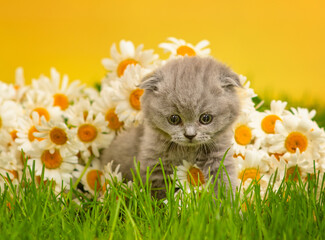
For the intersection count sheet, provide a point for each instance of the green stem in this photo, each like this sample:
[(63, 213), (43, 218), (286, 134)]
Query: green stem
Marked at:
[(83, 172)]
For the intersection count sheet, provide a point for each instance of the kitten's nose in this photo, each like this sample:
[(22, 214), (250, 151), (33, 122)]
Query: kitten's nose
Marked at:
[(189, 136)]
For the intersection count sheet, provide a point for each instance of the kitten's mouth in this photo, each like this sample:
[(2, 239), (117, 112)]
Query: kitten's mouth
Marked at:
[(189, 143)]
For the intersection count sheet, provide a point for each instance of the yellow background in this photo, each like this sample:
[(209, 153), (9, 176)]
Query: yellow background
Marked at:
[(279, 45)]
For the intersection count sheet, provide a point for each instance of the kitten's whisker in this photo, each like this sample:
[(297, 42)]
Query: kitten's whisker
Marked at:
[(213, 145), (199, 150), (171, 146)]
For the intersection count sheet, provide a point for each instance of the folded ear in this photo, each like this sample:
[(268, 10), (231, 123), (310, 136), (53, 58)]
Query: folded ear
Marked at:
[(230, 79), (151, 82)]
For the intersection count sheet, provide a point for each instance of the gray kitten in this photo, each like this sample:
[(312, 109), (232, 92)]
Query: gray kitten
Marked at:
[(189, 105)]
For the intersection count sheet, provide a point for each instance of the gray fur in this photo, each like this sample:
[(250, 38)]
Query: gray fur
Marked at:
[(189, 87)]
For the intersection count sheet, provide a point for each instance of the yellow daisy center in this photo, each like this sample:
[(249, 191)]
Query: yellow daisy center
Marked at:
[(41, 112), (296, 140), (122, 66), (243, 135), (0, 122), (51, 161), (94, 178), (87, 132), (61, 101), (185, 50), (268, 123), (293, 173), (112, 119), (58, 136), (195, 176), (249, 173), (135, 98), (13, 134), (31, 136)]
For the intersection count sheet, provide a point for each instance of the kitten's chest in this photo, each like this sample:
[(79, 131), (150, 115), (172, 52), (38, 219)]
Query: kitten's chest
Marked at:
[(176, 157)]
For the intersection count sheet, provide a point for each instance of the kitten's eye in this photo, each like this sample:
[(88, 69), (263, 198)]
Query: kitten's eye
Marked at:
[(174, 119), (206, 118)]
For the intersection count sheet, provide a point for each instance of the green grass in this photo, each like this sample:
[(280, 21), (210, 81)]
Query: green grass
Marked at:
[(29, 211)]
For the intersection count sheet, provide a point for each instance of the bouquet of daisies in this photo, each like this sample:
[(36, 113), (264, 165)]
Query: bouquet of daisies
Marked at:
[(60, 127)]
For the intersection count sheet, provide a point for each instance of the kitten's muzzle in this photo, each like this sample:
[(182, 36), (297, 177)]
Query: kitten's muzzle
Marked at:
[(190, 132), (189, 136)]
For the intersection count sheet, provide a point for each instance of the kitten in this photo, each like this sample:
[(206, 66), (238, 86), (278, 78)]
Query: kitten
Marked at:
[(189, 105)]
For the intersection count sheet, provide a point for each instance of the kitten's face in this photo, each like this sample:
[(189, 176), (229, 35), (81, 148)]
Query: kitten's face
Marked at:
[(190, 100)]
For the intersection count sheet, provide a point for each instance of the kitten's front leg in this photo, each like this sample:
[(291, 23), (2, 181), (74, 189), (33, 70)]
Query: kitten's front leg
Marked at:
[(153, 170), (227, 173)]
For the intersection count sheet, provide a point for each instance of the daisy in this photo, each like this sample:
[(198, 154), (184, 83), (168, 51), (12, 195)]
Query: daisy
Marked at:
[(303, 113), (269, 117), (254, 166), (255, 169), (9, 111), (42, 103), (127, 96), (189, 174), (265, 121), (57, 136), (246, 135), (92, 133), (10, 159), (7, 91), (62, 93), (58, 166), (294, 133), (78, 109), (13, 175), (113, 176), (9, 163), (25, 132), (105, 105), (273, 160), (295, 165), (129, 56), (93, 179), (263, 185), (267, 183), (10, 167), (178, 47)]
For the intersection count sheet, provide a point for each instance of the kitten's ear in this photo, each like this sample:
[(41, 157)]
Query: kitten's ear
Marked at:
[(150, 82), (230, 80)]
